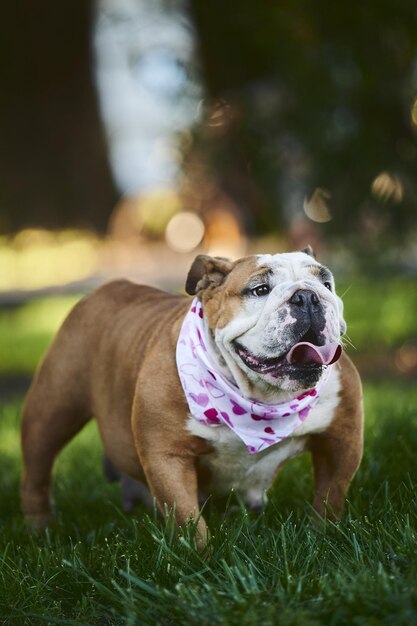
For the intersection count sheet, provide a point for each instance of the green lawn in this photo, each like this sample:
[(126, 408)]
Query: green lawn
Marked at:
[(101, 566)]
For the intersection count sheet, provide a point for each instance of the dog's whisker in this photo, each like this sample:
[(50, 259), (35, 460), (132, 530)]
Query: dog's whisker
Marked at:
[(346, 291), (346, 340)]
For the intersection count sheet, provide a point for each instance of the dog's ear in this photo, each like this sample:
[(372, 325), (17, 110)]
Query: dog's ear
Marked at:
[(207, 271), (309, 250)]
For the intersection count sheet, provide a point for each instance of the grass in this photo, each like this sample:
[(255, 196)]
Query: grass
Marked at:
[(380, 313), (26, 331), (101, 566)]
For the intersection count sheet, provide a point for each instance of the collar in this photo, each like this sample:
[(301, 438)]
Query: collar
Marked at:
[(215, 401)]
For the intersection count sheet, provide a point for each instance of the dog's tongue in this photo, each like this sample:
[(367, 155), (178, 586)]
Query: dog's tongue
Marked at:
[(304, 352)]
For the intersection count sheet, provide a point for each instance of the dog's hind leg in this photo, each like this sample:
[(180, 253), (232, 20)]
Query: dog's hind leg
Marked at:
[(52, 416), (132, 491)]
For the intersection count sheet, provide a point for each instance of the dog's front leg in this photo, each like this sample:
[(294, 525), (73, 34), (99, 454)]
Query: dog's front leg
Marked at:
[(337, 452), (172, 479), (335, 462), (170, 469)]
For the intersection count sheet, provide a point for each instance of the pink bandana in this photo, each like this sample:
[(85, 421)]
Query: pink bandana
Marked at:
[(214, 401)]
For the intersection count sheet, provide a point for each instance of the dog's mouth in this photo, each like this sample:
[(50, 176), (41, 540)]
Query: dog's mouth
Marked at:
[(303, 355)]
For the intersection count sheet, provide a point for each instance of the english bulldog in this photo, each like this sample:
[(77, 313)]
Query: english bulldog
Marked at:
[(207, 393)]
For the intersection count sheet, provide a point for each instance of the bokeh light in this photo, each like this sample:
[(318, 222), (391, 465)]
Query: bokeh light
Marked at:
[(184, 232), (414, 113), (387, 187), (316, 207), (406, 358)]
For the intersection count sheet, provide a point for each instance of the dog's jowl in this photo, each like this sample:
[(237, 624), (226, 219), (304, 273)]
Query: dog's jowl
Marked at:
[(205, 393)]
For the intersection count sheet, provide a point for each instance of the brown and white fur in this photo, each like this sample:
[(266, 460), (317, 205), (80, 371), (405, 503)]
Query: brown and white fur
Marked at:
[(114, 358)]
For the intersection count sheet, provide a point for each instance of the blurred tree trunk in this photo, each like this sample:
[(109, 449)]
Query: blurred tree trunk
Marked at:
[(223, 77), (53, 163)]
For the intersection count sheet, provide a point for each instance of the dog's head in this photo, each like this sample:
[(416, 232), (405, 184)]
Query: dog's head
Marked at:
[(275, 320)]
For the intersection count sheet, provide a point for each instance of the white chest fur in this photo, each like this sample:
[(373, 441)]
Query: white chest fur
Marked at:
[(232, 467)]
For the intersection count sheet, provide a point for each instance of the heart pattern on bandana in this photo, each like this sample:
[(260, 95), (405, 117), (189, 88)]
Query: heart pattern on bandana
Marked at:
[(201, 399), (215, 401)]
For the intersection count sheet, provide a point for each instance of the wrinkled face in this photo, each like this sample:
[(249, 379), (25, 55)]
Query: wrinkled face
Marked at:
[(274, 319)]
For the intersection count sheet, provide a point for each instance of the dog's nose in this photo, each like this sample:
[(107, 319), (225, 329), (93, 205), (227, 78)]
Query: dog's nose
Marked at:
[(304, 299)]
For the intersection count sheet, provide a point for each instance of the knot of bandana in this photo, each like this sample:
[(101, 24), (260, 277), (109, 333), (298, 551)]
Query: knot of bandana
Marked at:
[(215, 401)]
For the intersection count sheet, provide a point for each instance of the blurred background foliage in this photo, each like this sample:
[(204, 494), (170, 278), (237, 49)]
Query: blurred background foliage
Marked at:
[(136, 134), (316, 96), (293, 111)]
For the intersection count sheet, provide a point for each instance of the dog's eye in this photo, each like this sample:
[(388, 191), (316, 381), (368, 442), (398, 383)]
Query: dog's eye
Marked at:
[(260, 290), (328, 285)]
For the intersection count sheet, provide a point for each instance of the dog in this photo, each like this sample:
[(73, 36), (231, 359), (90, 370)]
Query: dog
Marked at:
[(210, 393)]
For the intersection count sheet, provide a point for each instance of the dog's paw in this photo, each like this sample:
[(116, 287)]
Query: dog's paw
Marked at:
[(133, 492), (256, 499)]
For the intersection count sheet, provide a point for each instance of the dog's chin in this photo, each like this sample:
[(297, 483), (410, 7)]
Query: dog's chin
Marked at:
[(278, 372), (296, 377)]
